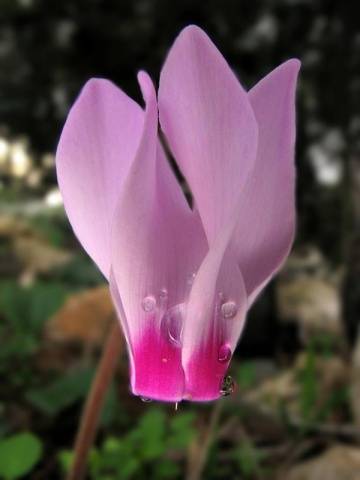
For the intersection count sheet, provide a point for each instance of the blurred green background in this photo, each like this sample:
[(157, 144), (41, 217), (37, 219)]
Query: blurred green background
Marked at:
[(296, 412)]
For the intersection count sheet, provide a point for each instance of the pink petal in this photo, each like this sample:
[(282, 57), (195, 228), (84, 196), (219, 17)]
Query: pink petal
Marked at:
[(212, 132), (209, 124), (155, 363), (266, 221), (97, 145), (214, 321), (157, 243)]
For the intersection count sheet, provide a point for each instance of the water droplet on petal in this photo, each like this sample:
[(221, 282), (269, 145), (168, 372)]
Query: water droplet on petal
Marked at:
[(224, 353), (228, 386), (175, 328), (163, 302), (189, 284), (145, 399), (149, 303), (228, 309), (173, 324), (163, 293)]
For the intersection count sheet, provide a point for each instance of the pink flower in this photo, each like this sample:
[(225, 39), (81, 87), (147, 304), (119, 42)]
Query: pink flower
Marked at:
[(182, 278)]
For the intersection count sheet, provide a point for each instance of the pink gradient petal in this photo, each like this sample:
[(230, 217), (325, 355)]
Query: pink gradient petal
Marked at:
[(158, 380), (206, 330), (157, 368), (157, 243), (119, 307), (209, 124), (212, 132), (97, 145), (266, 220)]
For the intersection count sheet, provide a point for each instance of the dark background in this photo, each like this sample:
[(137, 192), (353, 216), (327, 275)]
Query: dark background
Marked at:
[(48, 50)]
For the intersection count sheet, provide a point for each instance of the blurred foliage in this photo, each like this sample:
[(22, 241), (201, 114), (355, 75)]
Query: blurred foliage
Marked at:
[(309, 387), (248, 459), (246, 375), (24, 311), (53, 228), (18, 455), (313, 407), (48, 50), (151, 447), (68, 390), (29, 307), (79, 273)]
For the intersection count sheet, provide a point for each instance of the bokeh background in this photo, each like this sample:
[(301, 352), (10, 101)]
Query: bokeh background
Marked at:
[(296, 412)]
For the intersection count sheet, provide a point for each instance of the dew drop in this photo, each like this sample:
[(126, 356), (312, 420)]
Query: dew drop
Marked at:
[(189, 284), (163, 302), (145, 399), (224, 353), (163, 293), (173, 324), (227, 386), (149, 303), (228, 309)]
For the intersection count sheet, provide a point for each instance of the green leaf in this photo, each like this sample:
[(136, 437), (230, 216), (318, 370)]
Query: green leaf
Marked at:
[(28, 308), (166, 469), (246, 375), (111, 444), (128, 468), (65, 458), (248, 459), (150, 434), (61, 393), (181, 430), (18, 455), (79, 272), (116, 458), (51, 227), (308, 381)]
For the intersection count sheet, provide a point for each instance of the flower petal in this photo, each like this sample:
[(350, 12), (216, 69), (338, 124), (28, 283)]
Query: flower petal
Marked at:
[(215, 317), (212, 132), (266, 221), (96, 148), (209, 124), (157, 243)]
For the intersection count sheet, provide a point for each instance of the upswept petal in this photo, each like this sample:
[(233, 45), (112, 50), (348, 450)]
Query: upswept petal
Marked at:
[(266, 220), (212, 132), (157, 243), (209, 124), (96, 148), (214, 320)]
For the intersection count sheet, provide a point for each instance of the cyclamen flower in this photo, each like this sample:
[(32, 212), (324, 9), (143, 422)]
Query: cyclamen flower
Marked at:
[(182, 279)]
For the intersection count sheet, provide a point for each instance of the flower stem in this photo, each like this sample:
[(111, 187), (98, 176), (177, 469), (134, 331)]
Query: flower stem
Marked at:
[(93, 406)]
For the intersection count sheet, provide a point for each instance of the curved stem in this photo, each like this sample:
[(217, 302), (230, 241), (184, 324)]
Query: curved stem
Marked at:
[(93, 406)]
